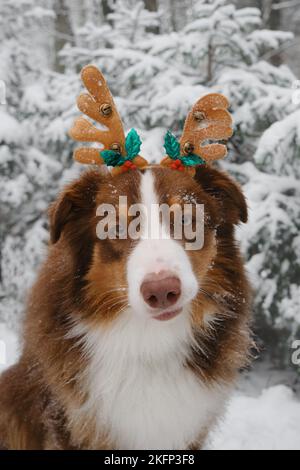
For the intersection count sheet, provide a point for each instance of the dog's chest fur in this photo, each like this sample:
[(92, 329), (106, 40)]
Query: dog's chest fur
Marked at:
[(141, 393)]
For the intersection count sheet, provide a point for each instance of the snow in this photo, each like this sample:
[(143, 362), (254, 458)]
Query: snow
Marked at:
[(40, 13), (266, 195), (152, 142), (290, 307), (14, 191), (280, 135), (269, 39), (34, 98), (10, 129), (8, 347), (268, 421)]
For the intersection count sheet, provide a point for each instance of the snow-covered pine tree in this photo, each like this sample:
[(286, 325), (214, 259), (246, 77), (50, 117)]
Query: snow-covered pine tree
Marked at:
[(271, 239)]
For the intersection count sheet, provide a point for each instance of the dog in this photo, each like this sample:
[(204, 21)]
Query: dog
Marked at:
[(131, 344)]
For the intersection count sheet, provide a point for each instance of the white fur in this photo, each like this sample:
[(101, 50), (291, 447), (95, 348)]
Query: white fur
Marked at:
[(140, 390), (156, 255)]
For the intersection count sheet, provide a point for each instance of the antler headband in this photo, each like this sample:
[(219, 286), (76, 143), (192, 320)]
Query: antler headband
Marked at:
[(208, 121)]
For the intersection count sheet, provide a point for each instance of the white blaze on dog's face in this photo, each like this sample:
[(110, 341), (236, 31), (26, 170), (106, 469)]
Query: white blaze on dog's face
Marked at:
[(161, 280)]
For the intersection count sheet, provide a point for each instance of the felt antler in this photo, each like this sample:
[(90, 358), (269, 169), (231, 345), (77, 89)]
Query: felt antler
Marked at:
[(208, 120), (99, 105)]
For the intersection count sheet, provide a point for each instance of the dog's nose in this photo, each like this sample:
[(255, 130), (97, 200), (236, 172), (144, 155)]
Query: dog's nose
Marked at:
[(161, 290)]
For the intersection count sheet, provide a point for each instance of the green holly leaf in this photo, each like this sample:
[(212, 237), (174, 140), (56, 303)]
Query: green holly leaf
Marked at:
[(112, 158), (172, 146), (133, 144), (192, 160)]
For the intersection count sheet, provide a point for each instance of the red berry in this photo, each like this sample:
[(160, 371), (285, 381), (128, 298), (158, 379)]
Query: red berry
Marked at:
[(177, 165), (128, 165)]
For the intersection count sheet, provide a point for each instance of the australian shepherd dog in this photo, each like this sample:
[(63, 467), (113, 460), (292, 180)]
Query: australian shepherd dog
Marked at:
[(131, 343)]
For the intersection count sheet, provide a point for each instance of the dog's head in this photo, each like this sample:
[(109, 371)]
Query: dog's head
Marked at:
[(124, 253)]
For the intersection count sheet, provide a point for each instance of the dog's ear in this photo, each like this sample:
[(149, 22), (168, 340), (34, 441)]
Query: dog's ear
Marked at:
[(228, 194), (60, 213), (77, 199)]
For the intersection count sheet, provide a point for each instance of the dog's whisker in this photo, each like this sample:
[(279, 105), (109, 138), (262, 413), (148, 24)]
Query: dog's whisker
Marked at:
[(109, 304)]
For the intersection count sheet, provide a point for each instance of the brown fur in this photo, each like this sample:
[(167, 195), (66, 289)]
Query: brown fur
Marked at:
[(77, 281)]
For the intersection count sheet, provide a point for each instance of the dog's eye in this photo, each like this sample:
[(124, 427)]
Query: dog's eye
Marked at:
[(120, 230), (187, 219)]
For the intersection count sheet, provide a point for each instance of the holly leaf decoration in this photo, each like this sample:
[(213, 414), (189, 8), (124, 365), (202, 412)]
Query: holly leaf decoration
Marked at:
[(172, 146), (112, 158), (133, 144), (192, 160)]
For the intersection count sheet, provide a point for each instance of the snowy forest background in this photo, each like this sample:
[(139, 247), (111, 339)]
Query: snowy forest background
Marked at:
[(159, 57)]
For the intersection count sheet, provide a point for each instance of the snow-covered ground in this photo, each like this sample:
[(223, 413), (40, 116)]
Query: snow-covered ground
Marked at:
[(270, 421), (264, 413)]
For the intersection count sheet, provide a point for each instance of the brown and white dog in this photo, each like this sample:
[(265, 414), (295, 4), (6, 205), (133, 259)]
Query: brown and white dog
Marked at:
[(131, 344)]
